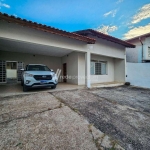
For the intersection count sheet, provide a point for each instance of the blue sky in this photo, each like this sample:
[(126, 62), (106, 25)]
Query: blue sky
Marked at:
[(120, 18)]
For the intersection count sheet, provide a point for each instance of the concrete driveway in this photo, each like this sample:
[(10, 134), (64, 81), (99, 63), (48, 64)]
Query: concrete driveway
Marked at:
[(16, 89), (122, 112), (40, 121)]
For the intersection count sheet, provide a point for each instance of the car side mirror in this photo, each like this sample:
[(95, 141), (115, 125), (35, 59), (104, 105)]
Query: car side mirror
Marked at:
[(22, 69), (52, 70)]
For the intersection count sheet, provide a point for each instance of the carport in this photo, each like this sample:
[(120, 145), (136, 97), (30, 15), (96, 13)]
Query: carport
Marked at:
[(22, 53), (24, 42)]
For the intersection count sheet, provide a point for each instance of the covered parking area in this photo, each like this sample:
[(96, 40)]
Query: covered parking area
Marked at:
[(24, 42)]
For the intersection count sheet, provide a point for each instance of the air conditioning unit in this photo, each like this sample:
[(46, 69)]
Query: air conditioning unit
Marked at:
[(146, 53)]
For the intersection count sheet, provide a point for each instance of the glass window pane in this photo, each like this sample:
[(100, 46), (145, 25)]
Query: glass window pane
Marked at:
[(103, 68), (92, 68), (97, 68)]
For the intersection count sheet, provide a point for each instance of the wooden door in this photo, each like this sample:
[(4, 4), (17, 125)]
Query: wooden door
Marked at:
[(64, 72)]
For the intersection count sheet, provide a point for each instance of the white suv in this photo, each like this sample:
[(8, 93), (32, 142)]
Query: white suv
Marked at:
[(38, 75)]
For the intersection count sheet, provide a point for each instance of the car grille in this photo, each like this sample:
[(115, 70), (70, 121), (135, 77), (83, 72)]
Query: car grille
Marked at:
[(42, 77)]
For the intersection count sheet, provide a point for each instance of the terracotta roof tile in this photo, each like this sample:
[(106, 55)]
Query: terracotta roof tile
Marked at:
[(104, 36), (49, 29)]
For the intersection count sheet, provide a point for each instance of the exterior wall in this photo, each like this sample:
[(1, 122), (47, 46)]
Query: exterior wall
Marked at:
[(146, 45), (81, 68), (119, 70), (101, 47), (115, 68), (113, 54), (138, 78), (134, 55), (52, 62), (72, 66), (18, 32), (107, 48), (110, 70)]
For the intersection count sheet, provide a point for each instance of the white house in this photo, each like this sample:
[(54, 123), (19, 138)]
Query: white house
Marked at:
[(141, 53), (86, 58), (138, 61)]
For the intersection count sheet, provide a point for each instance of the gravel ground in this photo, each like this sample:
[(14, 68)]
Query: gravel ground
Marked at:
[(121, 112), (42, 122)]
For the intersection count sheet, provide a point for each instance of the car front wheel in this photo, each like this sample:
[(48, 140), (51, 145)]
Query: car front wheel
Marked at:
[(21, 83), (53, 87), (25, 88)]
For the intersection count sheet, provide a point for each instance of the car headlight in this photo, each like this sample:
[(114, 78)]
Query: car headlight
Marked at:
[(53, 75), (28, 75)]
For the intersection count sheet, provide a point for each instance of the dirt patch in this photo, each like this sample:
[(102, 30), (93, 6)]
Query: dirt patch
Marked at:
[(121, 112)]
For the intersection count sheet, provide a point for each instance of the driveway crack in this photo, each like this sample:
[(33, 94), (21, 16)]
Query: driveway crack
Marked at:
[(32, 114)]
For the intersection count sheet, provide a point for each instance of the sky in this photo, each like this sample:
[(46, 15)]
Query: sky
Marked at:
[(123, 19)]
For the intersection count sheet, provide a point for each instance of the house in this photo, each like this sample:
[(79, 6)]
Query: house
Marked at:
[(141, 53), (138, 61), (86, 57)]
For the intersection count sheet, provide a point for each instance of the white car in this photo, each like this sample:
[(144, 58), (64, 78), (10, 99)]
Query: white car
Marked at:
[(38, 75)]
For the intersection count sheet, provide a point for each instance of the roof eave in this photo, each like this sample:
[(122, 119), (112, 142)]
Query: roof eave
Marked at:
[(45, 28), (106, 37)]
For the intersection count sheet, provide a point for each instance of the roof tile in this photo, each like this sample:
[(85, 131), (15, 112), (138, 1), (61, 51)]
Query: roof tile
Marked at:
[(45, 28)]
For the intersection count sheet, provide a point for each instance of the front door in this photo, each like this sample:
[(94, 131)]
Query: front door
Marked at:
[(64, 72), (11, 71)]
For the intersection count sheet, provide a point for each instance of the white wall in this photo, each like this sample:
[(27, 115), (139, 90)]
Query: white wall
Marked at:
[(134, 55), (81, 68), (52, 62), (119, 70), (14, 31), (72, 67), (107, 48), (17, 32), (138, 74), (110, 70)]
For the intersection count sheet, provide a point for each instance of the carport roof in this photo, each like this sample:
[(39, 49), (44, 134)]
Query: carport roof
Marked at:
[(49, 29), (104, 36)]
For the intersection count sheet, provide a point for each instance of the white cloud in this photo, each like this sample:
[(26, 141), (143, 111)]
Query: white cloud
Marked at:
[(112, 13), (4, 5), (142, 14), (15, 15), (119, 1), (106, 29), (137, 31)]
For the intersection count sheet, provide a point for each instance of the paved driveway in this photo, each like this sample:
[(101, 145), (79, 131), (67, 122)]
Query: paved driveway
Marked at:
[(40, 121), (121, 112)]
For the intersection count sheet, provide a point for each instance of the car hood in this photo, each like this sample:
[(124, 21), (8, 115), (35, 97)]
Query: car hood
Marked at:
[(40, 72)]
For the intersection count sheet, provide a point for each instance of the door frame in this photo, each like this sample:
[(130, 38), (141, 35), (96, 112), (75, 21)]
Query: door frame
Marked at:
[(65, 72)]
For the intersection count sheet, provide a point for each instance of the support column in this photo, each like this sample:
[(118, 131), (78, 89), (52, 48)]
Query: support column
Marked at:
[(87, 70)]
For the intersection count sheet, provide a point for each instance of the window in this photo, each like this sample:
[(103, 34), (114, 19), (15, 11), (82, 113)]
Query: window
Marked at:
[(37, 68), (148, 51), (98, 68)]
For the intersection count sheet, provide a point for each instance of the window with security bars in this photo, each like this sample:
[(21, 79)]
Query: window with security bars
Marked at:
[(2, 71), (98, 68), (148, 51)]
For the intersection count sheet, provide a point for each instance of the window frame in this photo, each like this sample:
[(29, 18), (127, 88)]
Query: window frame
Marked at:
[(101, 62), (148, 51)]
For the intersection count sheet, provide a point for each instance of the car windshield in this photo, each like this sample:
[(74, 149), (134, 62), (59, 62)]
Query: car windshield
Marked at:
[(37, 68)]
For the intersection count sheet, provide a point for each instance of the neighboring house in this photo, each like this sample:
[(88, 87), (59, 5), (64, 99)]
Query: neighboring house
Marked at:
[(138, 61), (86, 56), (141, 53)]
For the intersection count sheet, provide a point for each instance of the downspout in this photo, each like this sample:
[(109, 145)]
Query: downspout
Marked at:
[(142, 47)]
